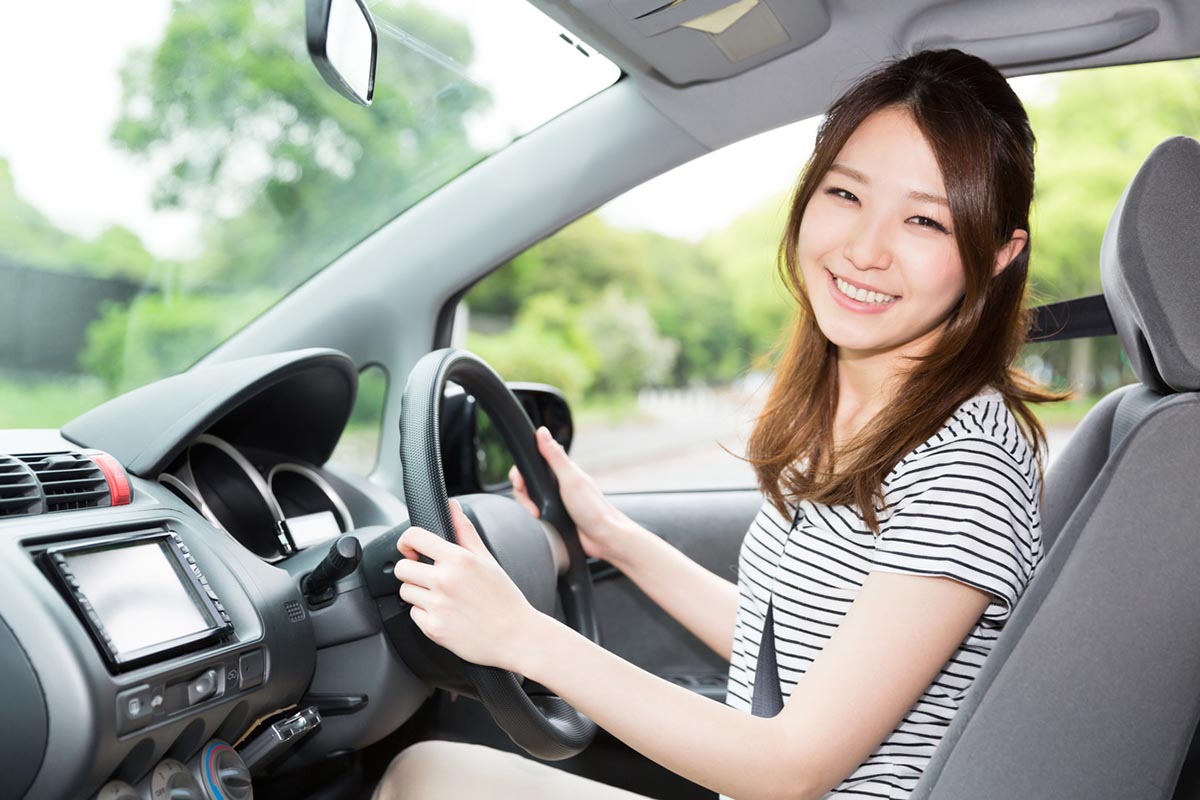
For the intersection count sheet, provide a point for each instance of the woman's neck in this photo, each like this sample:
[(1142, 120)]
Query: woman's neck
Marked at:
[(869, 379), (864, 388)]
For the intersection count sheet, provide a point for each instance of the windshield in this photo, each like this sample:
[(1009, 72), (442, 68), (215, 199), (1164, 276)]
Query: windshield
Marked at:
[(169, 172)]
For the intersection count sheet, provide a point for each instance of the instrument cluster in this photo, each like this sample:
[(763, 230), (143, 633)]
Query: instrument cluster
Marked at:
[(272, 507)]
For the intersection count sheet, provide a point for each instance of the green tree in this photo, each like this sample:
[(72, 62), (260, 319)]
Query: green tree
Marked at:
[(745, 252), (1094, 129), (159, 335), (29, 238), (525, 353), (630, 352), (687, 292), (286, 172)]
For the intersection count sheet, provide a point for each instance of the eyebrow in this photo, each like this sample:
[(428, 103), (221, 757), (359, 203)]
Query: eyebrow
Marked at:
[(924, 197)]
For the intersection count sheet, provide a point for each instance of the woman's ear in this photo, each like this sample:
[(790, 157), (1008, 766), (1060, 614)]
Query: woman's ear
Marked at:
[(1011, 249)]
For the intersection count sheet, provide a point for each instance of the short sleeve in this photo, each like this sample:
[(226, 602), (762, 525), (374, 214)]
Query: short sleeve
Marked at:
[(965, 510)]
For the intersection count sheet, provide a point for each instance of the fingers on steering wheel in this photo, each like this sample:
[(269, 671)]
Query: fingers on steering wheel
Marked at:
[(412, 571), (518, 481), (550, 449), (421, 542), (520, 493), (415, 595), (464, 529)]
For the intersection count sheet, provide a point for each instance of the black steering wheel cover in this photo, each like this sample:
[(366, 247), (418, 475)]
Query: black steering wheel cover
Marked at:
[(549, 728)]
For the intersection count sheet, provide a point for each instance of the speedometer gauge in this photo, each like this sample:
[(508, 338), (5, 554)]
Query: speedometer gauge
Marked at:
[(238, 496)]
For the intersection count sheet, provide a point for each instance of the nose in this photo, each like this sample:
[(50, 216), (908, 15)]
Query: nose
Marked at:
[(869, 244)]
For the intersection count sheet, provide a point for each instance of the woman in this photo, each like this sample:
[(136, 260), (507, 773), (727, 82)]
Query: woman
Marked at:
[(900, 464)]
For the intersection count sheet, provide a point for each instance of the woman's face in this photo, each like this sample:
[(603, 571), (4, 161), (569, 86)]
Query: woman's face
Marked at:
[(876, 245)]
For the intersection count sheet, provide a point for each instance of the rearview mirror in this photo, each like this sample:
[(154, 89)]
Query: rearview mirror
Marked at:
[(342, 44)]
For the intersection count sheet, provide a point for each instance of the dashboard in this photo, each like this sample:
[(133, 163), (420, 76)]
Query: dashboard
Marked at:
[(157, 636)]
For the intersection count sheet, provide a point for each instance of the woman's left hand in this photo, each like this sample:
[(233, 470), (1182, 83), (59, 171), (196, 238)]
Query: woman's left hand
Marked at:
[(465, 601)]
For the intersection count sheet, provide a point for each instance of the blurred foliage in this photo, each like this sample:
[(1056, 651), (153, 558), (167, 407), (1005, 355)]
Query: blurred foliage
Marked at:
[(630, 353), (287, 172), (633, 308), (358, 447), (1094, 128), (39, 402), (28, 237), (372, 392), (158, 335), (242, 129), (533, 351), (722, 303)]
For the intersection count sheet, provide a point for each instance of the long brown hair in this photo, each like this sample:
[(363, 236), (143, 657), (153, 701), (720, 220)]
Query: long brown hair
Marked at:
[(980, 135)]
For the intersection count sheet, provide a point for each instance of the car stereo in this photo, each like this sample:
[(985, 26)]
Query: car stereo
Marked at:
[(140, 594)]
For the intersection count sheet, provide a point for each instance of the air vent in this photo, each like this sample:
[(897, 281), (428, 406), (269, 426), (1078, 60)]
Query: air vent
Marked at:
[(19, 490), (69, 480)]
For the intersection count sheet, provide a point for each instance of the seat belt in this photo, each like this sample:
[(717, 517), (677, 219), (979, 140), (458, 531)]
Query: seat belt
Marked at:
[(767, 700)]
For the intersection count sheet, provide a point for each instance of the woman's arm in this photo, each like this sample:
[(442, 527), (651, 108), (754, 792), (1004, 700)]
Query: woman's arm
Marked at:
[(898, 634), (701, 601)]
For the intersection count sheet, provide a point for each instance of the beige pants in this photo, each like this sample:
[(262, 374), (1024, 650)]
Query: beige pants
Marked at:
[(436, 770)]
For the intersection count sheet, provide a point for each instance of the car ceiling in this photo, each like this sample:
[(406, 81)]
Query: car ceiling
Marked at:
[(764, 91), (381, 302)]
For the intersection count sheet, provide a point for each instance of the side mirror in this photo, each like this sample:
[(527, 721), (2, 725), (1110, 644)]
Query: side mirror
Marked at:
[(343, 45), (474, 457)]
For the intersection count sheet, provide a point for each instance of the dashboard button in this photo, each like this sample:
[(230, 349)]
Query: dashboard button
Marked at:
[(251, 666), (202, 686), (134, 708)]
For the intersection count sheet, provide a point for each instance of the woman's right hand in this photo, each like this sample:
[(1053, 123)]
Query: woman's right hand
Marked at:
[(599, 522)]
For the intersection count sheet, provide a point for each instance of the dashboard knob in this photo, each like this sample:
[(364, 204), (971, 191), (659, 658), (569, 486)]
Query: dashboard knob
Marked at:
[(171, 780), (221, 772), (117, 790), (340, 561)]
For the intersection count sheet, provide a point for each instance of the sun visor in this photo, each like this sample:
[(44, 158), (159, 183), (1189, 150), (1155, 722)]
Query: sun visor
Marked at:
[(692, 41)]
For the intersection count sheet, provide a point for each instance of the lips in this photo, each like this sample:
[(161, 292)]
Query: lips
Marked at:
[(852, 304), (863, 286)]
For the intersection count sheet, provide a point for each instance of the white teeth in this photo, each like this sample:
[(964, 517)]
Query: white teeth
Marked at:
[(862, 295)]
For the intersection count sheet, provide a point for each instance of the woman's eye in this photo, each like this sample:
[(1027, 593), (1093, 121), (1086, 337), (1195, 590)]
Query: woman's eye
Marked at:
[(926, 222), (842, 193)]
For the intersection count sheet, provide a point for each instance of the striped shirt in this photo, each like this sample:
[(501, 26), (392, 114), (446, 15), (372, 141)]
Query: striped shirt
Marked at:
[(962, 505)]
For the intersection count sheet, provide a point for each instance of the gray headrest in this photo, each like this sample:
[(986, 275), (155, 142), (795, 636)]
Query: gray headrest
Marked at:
[(1149, 267)]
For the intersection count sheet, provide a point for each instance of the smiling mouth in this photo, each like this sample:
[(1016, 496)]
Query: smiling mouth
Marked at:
[(863, 295)]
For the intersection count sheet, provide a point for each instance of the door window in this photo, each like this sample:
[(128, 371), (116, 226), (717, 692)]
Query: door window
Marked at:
[(657, 314)]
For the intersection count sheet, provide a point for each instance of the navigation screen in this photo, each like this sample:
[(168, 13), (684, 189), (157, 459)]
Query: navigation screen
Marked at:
[(138, 595)]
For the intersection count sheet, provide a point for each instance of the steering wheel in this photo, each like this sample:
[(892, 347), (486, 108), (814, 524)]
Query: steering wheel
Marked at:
[(543, 724)]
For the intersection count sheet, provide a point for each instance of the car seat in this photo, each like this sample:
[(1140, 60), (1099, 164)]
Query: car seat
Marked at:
[(1093, 689)]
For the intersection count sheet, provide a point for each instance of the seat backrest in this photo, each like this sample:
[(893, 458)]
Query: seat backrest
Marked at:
[(1093, 690), (1074, 471)]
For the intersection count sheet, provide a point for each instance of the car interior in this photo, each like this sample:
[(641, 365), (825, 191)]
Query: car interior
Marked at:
[(199, 603)]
